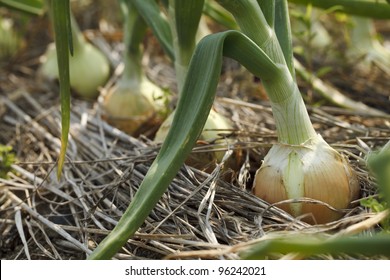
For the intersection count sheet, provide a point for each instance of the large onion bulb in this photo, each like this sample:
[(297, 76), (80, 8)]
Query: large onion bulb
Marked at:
[(134, 107), (311, 170)]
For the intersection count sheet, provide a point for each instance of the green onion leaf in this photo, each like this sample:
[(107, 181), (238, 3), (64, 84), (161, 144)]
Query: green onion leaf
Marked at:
[(63, 41), (34, 7), (187, 125), (187, 16), (151, 14), (219, 14), (282, 29), (268, 9), (315, 245), (368, 8)]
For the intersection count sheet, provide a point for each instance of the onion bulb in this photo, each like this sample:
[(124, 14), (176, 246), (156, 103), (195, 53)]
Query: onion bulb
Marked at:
[(134, 107), (10, 41), (312, 170), (214, 126), (89, 69)]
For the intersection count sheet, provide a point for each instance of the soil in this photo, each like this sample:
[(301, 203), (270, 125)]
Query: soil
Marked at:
[(202, 215)]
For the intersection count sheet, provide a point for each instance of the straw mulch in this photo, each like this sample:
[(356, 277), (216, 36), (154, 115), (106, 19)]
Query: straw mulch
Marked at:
[(202, 215)]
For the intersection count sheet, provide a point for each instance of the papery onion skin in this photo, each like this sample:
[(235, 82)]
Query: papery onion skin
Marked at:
[(311, 170)]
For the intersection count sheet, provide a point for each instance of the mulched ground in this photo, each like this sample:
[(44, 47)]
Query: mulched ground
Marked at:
[(202, 215)]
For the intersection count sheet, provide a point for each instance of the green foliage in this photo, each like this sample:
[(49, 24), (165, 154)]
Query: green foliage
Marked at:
[(7, 158), (150, 11), (374, 204), (35, 7), (189, 119), (317, 244), (378, 205), (64, 46), (188, 122), (379, 164), (10, 40)]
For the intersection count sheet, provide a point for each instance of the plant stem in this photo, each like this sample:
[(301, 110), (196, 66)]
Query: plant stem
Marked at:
[(187, 125), (268, 9), (362, 33), (252, 22), (184, 17), (291, 117), (282, 29), (219, 14), (78, 39), (134, 32), (365, 44), (150, 12), (372, 9)]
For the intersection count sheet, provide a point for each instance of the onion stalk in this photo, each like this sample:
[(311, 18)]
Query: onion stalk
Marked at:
[(89, 68), (301, 165), (134, 103), (309, 29), (365, 46)]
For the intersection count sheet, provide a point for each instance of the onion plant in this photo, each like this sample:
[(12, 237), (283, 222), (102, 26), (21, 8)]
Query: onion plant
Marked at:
[(375, 245), (301, 160), (134, 101), (89, 68), (308, 29), (365, 47), (303, 164), (317, 37)]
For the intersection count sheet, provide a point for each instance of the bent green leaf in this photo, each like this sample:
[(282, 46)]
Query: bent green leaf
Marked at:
[(188, 122)]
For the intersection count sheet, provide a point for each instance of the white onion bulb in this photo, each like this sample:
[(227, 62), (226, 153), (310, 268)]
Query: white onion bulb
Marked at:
[(311, 170)]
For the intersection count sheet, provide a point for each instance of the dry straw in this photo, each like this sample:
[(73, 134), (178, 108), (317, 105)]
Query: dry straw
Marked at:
[(200, 216)]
